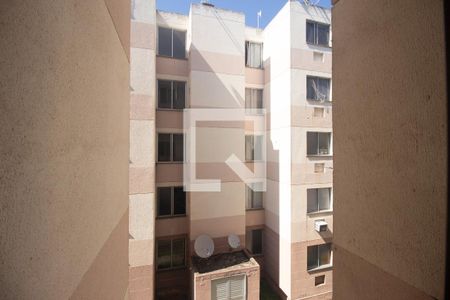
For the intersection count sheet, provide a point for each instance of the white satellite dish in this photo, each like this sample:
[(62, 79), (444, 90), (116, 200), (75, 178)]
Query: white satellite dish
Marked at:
[(204, 246), (234, 241)]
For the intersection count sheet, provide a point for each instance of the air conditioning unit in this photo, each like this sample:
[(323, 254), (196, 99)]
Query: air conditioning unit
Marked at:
[(321, 226)]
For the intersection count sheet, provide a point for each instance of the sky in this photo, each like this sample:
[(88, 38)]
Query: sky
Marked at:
[(269, 8)]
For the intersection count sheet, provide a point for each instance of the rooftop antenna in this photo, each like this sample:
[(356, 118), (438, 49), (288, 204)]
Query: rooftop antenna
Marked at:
[(258, 17)]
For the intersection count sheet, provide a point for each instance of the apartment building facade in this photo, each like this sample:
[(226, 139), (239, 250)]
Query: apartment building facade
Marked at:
[(256, 166)]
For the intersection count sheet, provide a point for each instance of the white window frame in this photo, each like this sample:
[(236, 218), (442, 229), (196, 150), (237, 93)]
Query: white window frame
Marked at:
[(249, 197), (171, 93), (247, 54), (318, 211), (316, 33), (227, 282), (172, 202), (171, 43), (319, 266), (171, 147), (172, 239), (330, 150), (313, 77)]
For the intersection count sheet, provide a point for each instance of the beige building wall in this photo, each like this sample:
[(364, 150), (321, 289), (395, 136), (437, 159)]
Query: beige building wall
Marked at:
[(217, 77), (64, 149), (142, 149), (390, 125)]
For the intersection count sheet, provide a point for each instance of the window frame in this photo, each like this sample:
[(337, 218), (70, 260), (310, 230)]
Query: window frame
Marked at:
[(249, 193), (227, 281), (313, 77), (171, 94), (172, 203), (330, 150), (319, 211), (250, 249), (171, 42), (253, 137), (261, 67), (171, 239), (319, 266), (316, 33), (171, 148), (254, 110)]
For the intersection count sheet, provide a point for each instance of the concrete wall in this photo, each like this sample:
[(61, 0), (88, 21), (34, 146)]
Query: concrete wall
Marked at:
[(390, 133), (142, 149), (64, 153)]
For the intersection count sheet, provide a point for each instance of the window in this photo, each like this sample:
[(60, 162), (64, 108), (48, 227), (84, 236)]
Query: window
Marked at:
[(318, 88), (254, 241), (318, 143), (253, 147), (231, 288), (254, 199), (319, 168), (318, 200), (253, 55), (171, 42), (317, 33), (171, 94), (319, 280), (253, 100), (319, 256), (171, 201), (170, 147), (170, 253)]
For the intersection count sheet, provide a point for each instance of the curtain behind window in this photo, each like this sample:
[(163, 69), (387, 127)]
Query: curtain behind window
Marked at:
[(254, 55)]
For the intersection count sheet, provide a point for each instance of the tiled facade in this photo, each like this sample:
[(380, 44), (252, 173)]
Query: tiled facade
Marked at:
[(215, 75)]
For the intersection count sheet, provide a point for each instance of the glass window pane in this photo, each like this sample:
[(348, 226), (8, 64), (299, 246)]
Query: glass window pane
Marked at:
[(257, 241), (179, 94), (259, 99), (178, 253), (164, 201), (178, 147), (249, 147), (324, 254), (257, 199), (324, 199), (179, 44), (324, 143), (164, 258), (312, 257), (253, 55), (323, 32), (258, 147), (164, 94), (179, 201), (165, 41), (323, 90), (312, 200), (312, 143), (311, 88), (310, 33), (163, 147), (248, 197)]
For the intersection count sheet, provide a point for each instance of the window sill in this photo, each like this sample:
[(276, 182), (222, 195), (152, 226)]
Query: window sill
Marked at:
[(320, 45), (322, 212), (254, 209), (321, 269), (166, 56), (170, 217), (316, 102), (249, 113), (171, 269), (319, 155), (255, 68), (171, 109)]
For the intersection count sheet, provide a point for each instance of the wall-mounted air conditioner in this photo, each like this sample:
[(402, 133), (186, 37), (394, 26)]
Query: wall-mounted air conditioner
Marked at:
[(320, 226)]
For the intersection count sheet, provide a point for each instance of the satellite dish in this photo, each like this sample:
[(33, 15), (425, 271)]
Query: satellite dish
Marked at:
[(204, 246), (234, 241)]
